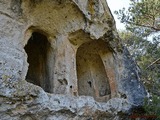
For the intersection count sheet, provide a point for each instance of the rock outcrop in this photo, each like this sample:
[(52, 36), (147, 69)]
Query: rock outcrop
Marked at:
[(63, 60)]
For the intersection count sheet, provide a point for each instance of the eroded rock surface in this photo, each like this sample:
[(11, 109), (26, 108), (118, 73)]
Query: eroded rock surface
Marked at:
[(63, 60)]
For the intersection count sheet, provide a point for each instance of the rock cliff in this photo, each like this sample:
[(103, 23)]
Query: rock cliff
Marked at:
[(64, 60)]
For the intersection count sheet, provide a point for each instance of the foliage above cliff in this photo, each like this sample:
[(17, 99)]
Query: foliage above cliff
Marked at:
[(142, 17), (142, 38)]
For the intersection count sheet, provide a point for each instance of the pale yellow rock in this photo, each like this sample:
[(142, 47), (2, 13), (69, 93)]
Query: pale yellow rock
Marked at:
[(63, 59)]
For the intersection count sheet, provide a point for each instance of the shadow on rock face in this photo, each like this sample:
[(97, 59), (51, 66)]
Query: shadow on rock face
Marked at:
[(63, 59)]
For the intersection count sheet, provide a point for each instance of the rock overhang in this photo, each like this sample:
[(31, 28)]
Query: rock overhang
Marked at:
[(80, 33)]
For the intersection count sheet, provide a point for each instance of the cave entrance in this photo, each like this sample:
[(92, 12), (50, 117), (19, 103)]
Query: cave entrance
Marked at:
[(38, 50), (91, 73)]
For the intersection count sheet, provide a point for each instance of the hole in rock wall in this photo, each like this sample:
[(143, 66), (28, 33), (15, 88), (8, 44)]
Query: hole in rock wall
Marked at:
[(92, 77), (38, 50)]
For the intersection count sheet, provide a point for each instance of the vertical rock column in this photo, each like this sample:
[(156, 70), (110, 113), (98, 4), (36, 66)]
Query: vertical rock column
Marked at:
[(65, 80), (109, 64)]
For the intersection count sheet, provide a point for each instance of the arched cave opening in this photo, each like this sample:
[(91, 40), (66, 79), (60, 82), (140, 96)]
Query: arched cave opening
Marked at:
[(91, 73), (38, 50)]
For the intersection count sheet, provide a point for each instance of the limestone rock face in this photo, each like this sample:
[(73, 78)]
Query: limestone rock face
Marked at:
[(63, 60)]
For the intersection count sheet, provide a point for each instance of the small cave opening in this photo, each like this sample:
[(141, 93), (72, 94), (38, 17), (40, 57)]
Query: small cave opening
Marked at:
[(92, 77), (38, 51)]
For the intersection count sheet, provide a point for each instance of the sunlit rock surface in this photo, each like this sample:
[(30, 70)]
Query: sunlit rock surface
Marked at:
[(63, 60)]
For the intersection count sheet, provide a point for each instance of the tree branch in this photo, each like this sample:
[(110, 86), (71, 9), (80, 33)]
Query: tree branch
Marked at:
[(154, 62), (152, 27)]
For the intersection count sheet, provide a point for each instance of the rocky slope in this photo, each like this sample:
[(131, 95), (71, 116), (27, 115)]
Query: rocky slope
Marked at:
[(63, 60)]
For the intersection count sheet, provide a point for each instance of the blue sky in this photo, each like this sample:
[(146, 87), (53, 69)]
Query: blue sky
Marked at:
[(116, 5)]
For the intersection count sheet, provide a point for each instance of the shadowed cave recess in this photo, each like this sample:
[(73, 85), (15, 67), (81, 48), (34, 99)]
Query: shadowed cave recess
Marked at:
[(91, 74), (38, 50)]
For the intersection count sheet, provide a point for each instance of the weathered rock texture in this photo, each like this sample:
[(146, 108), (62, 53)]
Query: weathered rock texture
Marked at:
[(63, 59)]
